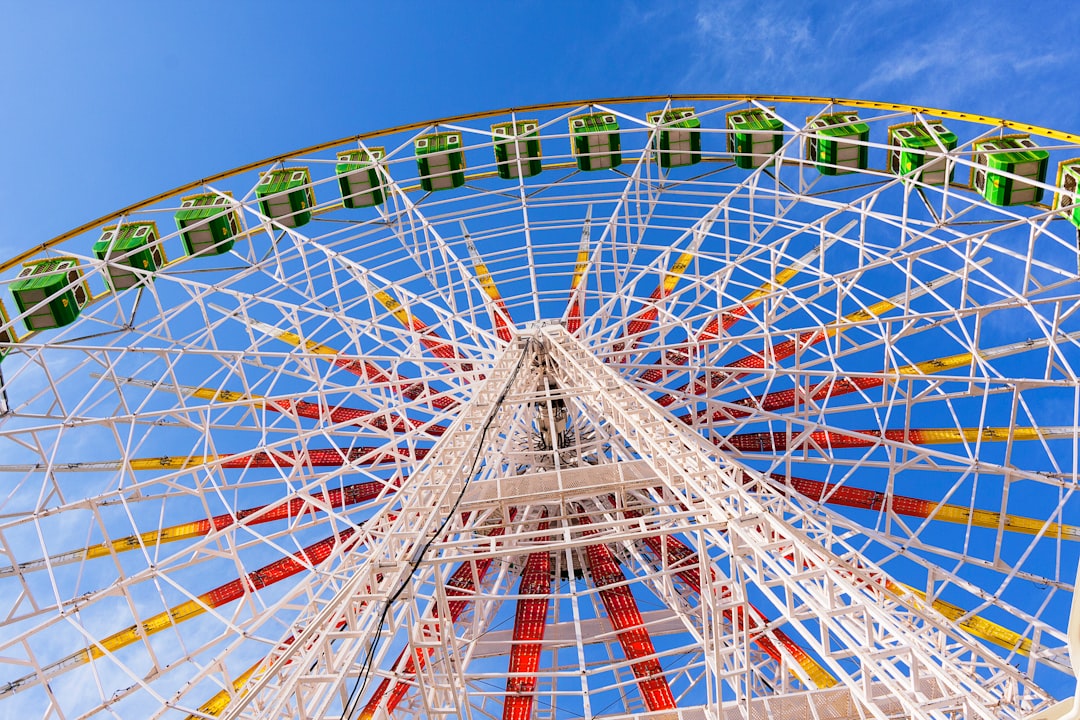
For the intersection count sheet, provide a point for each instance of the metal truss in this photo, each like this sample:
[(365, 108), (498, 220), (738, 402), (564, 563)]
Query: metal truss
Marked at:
[(751, 434)]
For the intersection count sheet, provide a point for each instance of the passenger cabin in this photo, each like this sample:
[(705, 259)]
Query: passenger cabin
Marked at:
[(359, 177), (131, 252), (208, 224), (1068, 194), (7, 334), (517, 148), (677, 142), (52, 292), (914, 146), (285, 196), (1013, 154), (440, 161), (753, 137), (595, 142), (836, 143)]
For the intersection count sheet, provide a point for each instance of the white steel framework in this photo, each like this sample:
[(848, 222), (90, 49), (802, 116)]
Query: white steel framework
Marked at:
[(753, 436)]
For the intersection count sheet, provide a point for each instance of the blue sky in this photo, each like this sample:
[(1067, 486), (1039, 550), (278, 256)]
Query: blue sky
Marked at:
[(104, 104), (107, 103)]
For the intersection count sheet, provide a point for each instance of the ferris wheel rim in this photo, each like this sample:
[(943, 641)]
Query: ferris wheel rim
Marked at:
[(404, 127)]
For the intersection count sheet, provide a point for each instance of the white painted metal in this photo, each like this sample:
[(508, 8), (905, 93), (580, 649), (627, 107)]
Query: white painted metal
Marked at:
[(114, 431)]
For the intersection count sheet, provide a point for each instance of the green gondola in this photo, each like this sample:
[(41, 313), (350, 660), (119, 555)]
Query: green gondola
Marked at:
[(1013, 154), (7, 334), (678, 142), (595, 142), (440, 161), (517, 148), (913, 146), (127, 249), (208, 224), (285, 195), (52, 291), (359, 177), (754, 136), (1067, 198), (836, 143)]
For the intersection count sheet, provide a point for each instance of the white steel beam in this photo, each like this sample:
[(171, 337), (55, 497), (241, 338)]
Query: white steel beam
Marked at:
[(308, 676), (831, 594)]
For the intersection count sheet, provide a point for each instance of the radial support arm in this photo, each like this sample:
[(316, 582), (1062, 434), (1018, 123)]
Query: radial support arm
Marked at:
[(1069, 709), (823, 587), (309, 674)]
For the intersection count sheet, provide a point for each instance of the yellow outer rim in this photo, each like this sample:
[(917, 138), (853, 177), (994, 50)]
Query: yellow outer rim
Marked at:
[(871, 104)]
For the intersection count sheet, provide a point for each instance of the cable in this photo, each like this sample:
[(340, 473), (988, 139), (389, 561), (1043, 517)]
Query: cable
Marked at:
[(365, 674)]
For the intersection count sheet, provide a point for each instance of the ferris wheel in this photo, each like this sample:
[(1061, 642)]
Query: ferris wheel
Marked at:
[(673, 407)]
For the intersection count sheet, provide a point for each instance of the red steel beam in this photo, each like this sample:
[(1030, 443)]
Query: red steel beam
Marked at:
[(530, 619), (629, 626)]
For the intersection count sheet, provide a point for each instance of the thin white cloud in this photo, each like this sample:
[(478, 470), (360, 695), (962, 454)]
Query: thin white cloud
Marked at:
[(743, 41), (1049, 59), (970, 57)]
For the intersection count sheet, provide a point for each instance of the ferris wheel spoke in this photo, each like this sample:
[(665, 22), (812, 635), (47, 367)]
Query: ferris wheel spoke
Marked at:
[(999, 635), (639, 183), (428, 337), (760, 629), (365, 369), (462, 584), (221, 699), (716, 326), (334, 414), (589, 256), (530, 619), (161, 488), (844, 494), (622, 610), (233, 410), (1005, 303), (756, 244), (645, 318), (432, 255), (392, 295), (500, 314), (309, 557), (832, 387), (702, 228), (679, 555), (333, 457), (825, 383), (788, 348), (826, 441), (238, 687), (931, 557), (203, 552), (981, 627), (974, 624), (335, 499), (575, 306)]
